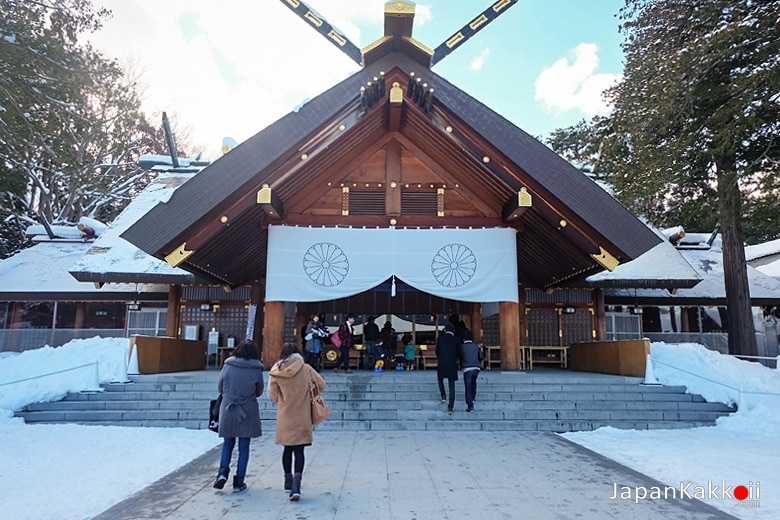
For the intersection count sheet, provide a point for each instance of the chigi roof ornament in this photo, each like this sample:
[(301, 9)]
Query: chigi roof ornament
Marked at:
[(399, 20)]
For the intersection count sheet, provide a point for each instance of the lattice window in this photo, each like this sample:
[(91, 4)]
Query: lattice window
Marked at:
[(366, 202), (419, 203)]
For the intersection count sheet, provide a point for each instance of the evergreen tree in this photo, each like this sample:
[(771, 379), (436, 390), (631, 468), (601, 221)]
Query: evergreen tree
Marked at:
[(697, 118), (71, 128)]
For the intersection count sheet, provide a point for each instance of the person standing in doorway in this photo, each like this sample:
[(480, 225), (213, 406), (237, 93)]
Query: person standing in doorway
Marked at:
[(240, 384), (289, 381), (447, 363), (470, 362), (314, 336), (347, 343), (389, 341), (370, 339)]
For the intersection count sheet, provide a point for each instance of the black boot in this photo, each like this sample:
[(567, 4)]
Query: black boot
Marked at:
[(288, 481), (222, 477), (295, 491), (238, 484)]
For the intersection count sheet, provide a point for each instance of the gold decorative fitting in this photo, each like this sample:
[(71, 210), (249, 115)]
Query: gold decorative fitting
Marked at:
[(563, 223), (264, 195), (294, 3), (393, 184), (605, 259), (452, 42), (480, 20), (98, 285), (399, 7), (313, 18), (393, 222), (336, 37), (342, 127), (486, 159), (524, 199), (178, 256), (396, 93), (501, 4), (223, 218), (448, 129), (304, 156)]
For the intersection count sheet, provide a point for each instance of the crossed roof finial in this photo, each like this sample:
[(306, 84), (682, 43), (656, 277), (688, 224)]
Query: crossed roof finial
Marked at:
[(399, 20)]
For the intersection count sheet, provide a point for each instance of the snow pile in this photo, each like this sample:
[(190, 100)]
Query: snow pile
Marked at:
[(49, 373)]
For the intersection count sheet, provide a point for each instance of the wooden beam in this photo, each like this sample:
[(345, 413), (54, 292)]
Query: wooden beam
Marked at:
[(270, 202), (474, 198), (393, 178), (400, 221), (396, 107), (516, 206)]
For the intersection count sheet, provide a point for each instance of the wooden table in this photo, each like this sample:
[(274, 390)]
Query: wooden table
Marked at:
[(557, 355)]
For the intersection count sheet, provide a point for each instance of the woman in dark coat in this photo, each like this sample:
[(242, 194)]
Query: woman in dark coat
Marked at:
[(240, 384), (447, 347)]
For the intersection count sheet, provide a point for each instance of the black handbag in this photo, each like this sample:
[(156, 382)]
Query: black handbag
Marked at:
[(214, 405)]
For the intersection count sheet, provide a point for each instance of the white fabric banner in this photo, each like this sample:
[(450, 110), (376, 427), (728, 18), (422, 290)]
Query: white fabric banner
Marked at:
[(319, 264)]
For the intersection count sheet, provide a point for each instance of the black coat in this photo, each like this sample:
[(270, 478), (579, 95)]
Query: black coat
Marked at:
[(447, 352)]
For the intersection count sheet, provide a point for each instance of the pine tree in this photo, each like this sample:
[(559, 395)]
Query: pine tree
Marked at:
[(697, 118)]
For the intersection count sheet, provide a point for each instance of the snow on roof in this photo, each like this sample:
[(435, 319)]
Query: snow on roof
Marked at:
[(708, 265), (113, 256), (771, 269), (41, 269), (761, 250), (663, 263)]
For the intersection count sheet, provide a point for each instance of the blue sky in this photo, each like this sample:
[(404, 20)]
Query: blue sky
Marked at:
[(232, 67)]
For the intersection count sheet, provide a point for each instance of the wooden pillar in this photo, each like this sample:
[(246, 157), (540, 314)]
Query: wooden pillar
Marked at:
[(172, 318), (509, 319), (600, 313), (273, 332), (476, 322), (523, 317)]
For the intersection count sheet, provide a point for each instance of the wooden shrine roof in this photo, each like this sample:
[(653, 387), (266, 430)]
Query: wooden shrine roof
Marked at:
[(215, 226)]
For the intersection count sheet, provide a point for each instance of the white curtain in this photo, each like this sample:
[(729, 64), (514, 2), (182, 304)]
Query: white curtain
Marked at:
[(317, 264)]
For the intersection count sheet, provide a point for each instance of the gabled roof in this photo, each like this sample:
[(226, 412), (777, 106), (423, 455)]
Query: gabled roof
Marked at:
[(41, 272), (111, 258), (214, 227), (764, 290)]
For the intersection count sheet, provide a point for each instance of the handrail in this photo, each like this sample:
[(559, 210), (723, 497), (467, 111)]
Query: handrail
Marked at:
[(741, 391), (96, 381), (776, 358)]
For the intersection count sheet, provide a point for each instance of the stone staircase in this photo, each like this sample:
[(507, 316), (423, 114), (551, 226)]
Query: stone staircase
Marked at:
[(542, 400)]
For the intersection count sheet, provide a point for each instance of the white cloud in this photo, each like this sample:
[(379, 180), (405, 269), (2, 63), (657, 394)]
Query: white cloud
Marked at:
[(478, 62), (564, 86), (231, 68)]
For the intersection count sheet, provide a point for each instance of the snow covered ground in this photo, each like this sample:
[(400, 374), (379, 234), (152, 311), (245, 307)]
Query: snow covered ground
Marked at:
[(83, 470)]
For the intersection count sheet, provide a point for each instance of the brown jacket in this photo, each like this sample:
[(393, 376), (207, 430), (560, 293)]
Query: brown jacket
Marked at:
[(288, 386)]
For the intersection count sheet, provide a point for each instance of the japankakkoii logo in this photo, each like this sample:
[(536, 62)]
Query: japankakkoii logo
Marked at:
[(745, 495)]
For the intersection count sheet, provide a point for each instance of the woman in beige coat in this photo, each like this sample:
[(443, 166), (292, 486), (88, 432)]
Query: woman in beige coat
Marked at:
[(289, 382)]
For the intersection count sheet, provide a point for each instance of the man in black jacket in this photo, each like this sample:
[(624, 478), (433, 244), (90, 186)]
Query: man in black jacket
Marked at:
[(447, 363)]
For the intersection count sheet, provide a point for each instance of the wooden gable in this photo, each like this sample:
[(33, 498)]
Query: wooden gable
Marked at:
[(434, 157)]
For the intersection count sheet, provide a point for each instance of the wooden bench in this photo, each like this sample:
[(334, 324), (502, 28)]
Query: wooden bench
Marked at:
[(427, 357), (557, 355)]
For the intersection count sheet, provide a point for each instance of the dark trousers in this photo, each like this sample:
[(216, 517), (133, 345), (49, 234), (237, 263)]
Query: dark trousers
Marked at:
[(287, 458), (470, 384), (451, 384), (344, 360)]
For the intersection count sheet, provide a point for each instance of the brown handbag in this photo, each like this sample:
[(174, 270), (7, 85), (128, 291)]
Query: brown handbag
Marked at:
[(319, 408)]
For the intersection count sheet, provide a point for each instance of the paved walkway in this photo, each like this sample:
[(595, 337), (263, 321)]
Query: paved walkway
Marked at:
[(413, 476)]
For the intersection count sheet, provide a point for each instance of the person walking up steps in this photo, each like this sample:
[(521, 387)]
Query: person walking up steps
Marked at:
[(447, 365), (288, 386), (240, 384), (470, 362)]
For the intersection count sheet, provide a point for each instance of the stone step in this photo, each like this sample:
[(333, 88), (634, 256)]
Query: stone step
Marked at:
[(548, 400)]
